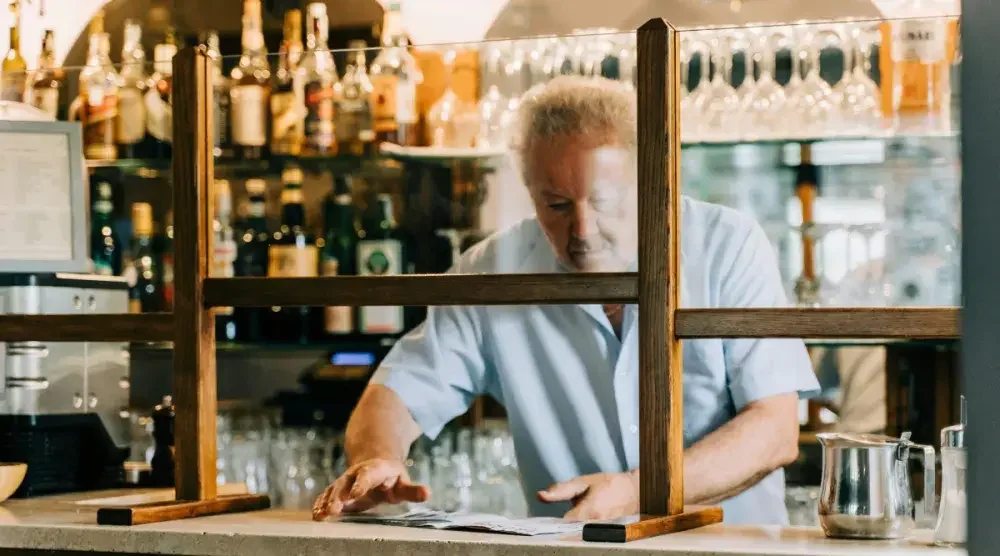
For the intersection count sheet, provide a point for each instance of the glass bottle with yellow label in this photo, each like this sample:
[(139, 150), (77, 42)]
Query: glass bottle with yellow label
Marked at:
[(287, 100), (144, 274), (292, 253), (15, 70), (395, 76)]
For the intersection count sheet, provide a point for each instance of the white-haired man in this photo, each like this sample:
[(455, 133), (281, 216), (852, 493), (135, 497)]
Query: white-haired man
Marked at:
[(567, 374)]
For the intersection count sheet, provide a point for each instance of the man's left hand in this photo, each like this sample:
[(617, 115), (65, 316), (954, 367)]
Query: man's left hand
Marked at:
[(598, 496)]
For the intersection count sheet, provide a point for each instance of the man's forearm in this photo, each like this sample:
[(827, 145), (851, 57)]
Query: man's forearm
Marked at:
[(380, 427)]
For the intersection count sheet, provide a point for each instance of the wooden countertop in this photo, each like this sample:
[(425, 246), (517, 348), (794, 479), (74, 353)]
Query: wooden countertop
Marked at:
[(67, 523)]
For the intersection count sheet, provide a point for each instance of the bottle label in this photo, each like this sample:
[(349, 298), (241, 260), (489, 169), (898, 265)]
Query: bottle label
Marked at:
[(159, 116), (168, 280), (353, 121), (919, 40), (130, 125), (13, 87), (336, 320), (46, 99), (384, 109), (380, 258), (287, 126), (319, 115), (223, 257), (249, 115), (406, 102), (100, 111), (135, 306), (289, 261)]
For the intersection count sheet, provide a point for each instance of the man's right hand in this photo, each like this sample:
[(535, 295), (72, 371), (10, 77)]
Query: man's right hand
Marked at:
[(367, 484)]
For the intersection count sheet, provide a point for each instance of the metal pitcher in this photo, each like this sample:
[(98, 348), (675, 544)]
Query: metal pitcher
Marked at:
[(865, 492)]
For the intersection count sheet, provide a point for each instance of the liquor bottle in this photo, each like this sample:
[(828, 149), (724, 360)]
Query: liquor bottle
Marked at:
[(220, 93), (353, 113), (223, 256), (251, 260), (339, 251), (144, 294), (914, 60), (167, 262), (104, 242), (15, 69), (380, 253), (159, 110), (130, 125), (395, 75), (292, 253), (99, 96), (250, 88), (319, 76), (47, 81), (287, 100)]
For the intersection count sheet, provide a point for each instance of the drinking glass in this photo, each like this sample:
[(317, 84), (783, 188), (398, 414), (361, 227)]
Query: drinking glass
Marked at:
[(860, 101), (764, 108), (451, 121), (719, 110), (492, 105), (814, 99)]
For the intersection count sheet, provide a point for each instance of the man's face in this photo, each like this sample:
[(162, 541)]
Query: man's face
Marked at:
[(584, 190)]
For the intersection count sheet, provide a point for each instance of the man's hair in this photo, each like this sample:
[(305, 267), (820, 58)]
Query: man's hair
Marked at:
[(573, 105)]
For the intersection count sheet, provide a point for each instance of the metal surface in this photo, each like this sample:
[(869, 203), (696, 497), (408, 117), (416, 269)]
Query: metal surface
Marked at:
[(865, 488), (42, 378), (980, 356)]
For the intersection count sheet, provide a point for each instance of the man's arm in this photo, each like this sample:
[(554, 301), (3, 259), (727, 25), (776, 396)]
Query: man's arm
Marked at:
[(759, 440), (380, 427)]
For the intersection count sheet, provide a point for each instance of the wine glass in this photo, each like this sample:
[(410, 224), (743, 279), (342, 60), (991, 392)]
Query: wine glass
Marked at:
[(491, 106), (743, 42), (860, 106), (720, 106), (701, 94), (815, 106), (764, 108)]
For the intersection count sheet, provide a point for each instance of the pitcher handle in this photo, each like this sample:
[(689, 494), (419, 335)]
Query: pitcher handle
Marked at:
[(929, 460)]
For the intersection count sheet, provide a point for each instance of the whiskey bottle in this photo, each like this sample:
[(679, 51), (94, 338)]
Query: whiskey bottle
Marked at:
[(98, 109), (395, 75), (130, 125), (353, 113), (14, 79), (251, 260), (380, 253), (223, 256), (914, 60), (319, 75), (47, 81), (144, 294), (339, 250), (292, 253), (159, 110), (220, 94), (287, 100), (104, 244), (250, 88)]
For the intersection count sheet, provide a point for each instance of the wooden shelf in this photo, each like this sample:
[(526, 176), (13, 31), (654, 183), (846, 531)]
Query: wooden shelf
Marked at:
[(148, 327), (854, 323)]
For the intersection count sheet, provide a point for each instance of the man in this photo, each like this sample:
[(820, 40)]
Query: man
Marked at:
[(567, 374)]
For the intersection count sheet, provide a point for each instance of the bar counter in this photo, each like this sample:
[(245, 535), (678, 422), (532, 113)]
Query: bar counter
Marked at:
[(63, 525)]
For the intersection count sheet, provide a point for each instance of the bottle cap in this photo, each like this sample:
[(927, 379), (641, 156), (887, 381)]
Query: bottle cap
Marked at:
[(255, 186), (317, 9)]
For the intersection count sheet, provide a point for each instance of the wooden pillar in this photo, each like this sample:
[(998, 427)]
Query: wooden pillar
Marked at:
[(194, 345), (661, 406)]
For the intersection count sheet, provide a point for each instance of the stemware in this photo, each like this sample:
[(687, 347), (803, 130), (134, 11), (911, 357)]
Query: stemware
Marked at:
[(492, 105), (700, 95), (860, 106), (451, 121), (815, 97), (719, 107), (764, 108)]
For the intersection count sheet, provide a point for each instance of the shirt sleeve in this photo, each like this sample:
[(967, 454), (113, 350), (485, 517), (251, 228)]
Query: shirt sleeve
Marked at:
[(438, 368), (757, 368)]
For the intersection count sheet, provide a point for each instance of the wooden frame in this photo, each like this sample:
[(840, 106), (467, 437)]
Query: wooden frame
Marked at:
[(655, 287)]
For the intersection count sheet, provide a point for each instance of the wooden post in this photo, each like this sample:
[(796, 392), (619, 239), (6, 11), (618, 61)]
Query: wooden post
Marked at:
[(194, 336), (661, 436)]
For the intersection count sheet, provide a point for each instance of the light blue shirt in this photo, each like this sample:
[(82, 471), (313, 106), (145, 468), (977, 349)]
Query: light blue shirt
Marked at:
[(570, 387)]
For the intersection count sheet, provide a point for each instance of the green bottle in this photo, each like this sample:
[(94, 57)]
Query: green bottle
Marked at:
[(338, 257), (380, 253), (104, 244)]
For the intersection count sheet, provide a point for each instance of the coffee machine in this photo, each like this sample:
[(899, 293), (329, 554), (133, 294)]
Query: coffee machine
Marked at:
[(63, 405)]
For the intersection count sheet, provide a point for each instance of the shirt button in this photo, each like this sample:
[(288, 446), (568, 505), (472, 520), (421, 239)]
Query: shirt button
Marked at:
[(634, 429)]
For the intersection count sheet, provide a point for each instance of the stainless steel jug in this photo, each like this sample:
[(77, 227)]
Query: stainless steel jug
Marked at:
[(865, 491)]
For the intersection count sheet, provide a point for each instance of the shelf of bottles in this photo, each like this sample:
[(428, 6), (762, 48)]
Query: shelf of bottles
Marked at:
[(379, 160)]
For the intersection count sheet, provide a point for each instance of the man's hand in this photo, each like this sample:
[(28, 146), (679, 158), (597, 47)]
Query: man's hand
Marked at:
[(367, 484), (597, 496)]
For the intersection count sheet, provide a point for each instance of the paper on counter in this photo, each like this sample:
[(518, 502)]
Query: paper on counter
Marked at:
[(434, 519)]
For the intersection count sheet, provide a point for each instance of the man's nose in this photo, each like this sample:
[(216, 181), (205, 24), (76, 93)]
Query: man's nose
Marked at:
[(584, 220)]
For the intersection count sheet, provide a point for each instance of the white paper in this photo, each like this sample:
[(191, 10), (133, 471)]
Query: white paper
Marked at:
[(433, 519)]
